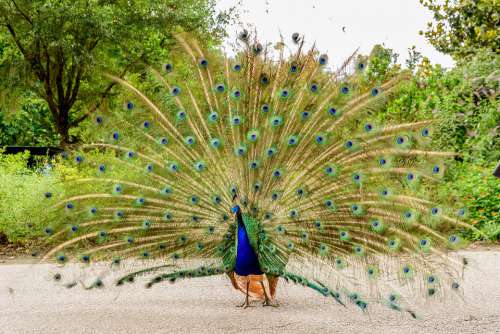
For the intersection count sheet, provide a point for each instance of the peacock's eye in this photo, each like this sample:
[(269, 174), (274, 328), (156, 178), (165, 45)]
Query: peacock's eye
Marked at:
[(461, 212), (175, 91), (220, 88), (168, 67), (253, 164), (292, 140), (332, 111), (236, 120), (257, 48), (323, 60), (264, 79), (256, 186)]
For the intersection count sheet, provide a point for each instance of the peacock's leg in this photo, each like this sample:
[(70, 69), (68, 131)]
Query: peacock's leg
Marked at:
[(246, 303), (267, 300)]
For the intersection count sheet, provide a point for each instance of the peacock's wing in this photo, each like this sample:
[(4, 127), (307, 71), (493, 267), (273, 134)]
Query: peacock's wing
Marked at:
[(341, 201)]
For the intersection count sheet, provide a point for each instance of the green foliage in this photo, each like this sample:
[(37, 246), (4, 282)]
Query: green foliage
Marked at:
[(460, 27), (463, 100), (59, 49), (21, 207), (382, 64), (480, 192), (414, 57), (31, 125), (464, 104)]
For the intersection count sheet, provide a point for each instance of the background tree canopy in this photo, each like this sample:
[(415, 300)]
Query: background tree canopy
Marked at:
[(460, 27), (58, 50)]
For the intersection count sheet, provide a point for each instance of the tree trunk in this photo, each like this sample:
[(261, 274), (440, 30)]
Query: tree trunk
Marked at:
[(62, 125)]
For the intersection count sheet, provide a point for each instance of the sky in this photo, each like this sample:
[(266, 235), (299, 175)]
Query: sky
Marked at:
[(394, 23)]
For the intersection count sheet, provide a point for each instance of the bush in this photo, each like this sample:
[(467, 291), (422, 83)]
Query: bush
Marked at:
[(480, 192), (464, 104), (464, 101), (22, 190)]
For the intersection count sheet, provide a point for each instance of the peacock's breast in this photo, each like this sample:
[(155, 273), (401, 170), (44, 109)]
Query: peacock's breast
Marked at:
[(247, 262)]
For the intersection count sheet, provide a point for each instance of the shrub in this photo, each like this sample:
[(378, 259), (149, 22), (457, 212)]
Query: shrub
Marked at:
[(480, 192), (464, 101), (22, 193)]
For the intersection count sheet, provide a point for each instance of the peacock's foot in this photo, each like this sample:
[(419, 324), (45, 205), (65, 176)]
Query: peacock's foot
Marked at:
[(245, 304), (268, 302)]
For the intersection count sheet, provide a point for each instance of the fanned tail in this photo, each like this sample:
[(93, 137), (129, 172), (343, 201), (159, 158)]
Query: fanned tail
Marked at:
[(338, 196)]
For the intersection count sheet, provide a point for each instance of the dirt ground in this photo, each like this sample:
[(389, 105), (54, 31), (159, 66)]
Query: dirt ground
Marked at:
[(30, 303)]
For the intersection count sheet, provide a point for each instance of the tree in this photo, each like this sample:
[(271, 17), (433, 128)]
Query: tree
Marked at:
[(59, 49), (414, 57), (382, 64), (463, 26)]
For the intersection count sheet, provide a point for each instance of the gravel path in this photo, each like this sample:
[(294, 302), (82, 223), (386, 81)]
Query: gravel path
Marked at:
[(30, 303)]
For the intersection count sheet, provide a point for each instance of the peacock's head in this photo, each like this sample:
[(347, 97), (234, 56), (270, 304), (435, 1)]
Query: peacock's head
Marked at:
[(236, 209)]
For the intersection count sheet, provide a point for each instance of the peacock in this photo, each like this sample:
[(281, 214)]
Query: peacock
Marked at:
[(261, 166)]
